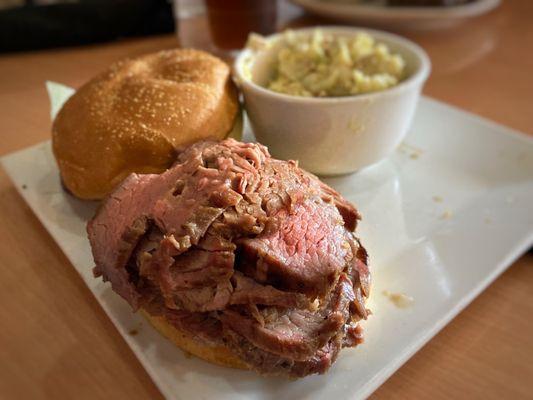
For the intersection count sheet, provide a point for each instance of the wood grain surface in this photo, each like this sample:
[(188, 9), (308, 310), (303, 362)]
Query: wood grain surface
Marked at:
[(56, 342)]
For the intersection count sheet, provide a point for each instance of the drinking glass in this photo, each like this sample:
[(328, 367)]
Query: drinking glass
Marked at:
[(222, 26)]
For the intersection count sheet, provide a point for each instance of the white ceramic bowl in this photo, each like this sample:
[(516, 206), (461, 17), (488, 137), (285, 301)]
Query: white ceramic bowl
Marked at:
[(331, 135)]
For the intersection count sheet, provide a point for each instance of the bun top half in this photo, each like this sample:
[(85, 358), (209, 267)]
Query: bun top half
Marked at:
[(138, 114)]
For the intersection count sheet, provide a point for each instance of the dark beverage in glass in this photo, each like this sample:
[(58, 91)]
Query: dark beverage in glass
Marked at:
[(230, 21)]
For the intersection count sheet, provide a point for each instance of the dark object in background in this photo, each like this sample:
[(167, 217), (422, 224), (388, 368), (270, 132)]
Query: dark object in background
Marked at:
[(86, 21), (433, 3), (230, 21)]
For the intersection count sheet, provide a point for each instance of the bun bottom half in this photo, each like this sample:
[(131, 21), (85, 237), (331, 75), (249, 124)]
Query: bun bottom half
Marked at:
[(214, 354)]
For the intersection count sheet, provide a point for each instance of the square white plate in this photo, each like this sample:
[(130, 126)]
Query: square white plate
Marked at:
[(442, 218)]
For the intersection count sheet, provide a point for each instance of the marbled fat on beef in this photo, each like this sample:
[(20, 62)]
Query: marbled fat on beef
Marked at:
[(241, 250)]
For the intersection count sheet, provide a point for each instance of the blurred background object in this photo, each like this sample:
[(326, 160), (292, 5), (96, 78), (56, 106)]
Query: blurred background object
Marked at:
[(218, 26), (395, 14), (227, 25), (38, 24), (231, 21), (425, 3)]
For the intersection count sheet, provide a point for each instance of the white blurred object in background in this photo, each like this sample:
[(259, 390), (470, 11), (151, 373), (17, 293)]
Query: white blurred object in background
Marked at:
[(191, 27)]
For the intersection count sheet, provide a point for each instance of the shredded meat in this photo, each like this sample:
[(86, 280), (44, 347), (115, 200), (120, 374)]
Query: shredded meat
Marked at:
[(242, 250)]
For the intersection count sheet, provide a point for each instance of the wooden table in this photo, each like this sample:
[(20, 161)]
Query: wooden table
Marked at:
[(56, 342)]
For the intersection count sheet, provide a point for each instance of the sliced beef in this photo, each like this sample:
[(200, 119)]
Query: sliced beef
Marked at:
[(238, 249), (272, 364), (114, 233), (208, 298), (198, 268), (359, 274), (197, 280), (358, 267), (296, 333), (353, 335), (219, 237), (305, 253), (248, 291), (201, 325), (346, 209), (181, 202), (320, 361)]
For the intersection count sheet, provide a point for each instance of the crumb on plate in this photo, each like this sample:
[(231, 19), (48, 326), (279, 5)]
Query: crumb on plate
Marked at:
[(411, 151), (446, 215), (400, 300)]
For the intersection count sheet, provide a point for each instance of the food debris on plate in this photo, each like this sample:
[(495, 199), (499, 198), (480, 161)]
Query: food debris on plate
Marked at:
[(446, 214), (400, 300), (411, 151)]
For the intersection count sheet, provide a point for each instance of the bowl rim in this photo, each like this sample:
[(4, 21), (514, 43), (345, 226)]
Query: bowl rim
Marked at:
[(417, 78)]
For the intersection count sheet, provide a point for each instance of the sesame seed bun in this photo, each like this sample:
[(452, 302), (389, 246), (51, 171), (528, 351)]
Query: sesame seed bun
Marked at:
[(214, 354), (136, 116)]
